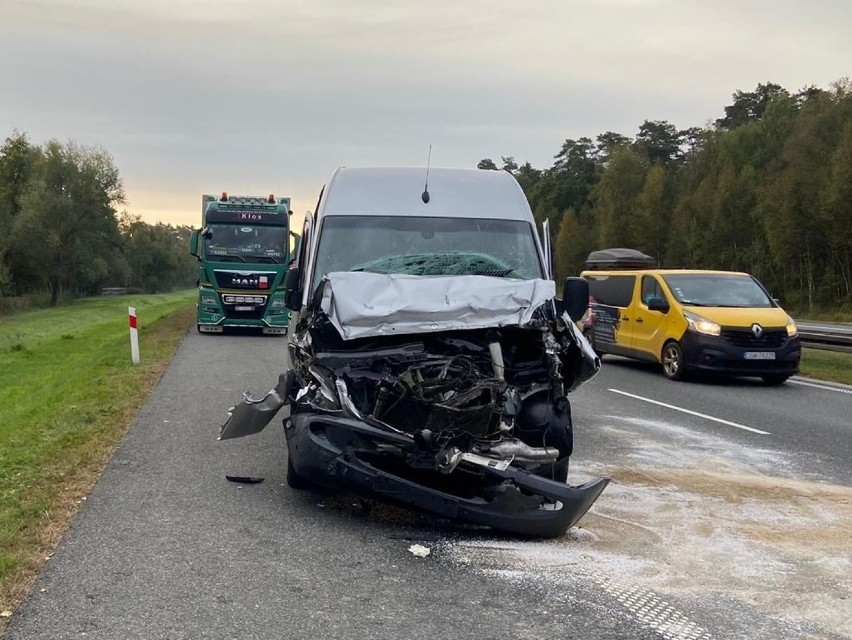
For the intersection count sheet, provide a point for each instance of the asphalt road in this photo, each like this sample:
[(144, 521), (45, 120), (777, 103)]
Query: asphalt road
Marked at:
[(680, 546)]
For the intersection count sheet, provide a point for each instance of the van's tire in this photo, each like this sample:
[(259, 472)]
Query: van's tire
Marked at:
[(674, 367), (775, 379), (560, 471), (294, 480)]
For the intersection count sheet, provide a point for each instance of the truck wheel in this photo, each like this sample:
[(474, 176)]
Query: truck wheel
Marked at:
[(673, 365), (773, 380)]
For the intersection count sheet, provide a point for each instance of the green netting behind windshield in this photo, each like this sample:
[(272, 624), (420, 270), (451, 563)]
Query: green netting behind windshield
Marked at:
[(437, 263)]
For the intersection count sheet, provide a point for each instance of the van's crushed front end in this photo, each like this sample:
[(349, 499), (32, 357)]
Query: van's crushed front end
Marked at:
[(447, 394)]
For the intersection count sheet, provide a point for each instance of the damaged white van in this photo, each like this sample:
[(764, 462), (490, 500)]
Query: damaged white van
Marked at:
[(430, 358)]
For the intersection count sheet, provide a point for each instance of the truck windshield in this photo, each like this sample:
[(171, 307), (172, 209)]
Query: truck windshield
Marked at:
[(718, 290), (245, 243), (427, 246)]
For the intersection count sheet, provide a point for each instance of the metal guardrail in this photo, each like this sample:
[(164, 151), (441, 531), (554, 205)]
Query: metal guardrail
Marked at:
[(827, 336)]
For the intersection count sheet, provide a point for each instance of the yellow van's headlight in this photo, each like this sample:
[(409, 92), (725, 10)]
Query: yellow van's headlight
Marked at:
[(792, 329), (702, 325)]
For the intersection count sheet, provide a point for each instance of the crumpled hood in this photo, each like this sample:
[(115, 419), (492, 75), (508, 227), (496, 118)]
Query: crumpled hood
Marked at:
[(363, 304)]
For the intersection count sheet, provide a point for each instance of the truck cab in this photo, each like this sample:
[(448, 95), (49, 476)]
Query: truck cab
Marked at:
[(243, 249)]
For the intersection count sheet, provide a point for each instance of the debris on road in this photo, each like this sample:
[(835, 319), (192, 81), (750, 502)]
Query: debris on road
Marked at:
[(244, 479), (419, 550)]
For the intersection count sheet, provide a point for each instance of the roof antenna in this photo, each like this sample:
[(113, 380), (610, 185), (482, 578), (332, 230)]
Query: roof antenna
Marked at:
[(425, 195)]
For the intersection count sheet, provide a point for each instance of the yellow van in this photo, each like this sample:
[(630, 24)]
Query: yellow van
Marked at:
[(719, 322)]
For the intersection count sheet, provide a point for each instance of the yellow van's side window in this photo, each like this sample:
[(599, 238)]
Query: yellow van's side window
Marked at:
[(613, 291), (651, 289)]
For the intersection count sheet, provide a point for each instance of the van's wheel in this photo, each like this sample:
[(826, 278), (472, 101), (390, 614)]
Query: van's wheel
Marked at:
[(773, 380), (294, 480), (673, 365), (560, 471)]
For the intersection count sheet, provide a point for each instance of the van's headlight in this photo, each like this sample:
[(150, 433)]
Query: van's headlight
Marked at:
[(792, 329), (702, 325)]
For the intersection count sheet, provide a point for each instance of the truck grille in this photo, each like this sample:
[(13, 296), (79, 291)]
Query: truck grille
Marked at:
[(256, 280), (255, 314), (769, 339), (244, 307)]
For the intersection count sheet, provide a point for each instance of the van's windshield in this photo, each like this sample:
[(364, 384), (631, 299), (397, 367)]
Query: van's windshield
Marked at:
[(427, 246), (718, 290)]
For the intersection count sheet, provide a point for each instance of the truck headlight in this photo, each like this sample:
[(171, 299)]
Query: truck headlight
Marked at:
[(208, 299), (702, 325), (278, 303), (792, 329)]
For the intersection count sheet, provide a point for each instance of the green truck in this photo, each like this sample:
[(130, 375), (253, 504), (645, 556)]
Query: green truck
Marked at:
[(243, 250)]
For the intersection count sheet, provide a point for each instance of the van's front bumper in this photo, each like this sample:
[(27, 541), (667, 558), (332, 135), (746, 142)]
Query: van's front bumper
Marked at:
[(718, 354), (324, 449)]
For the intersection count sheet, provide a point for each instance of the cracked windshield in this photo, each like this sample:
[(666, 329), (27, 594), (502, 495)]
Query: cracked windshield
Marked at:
[(246, 243), (426, 246)]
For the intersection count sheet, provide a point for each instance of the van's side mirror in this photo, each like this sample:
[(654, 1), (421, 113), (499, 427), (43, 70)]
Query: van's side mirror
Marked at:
[(658, 304), (193, 244), (575, 297), (293, 295)]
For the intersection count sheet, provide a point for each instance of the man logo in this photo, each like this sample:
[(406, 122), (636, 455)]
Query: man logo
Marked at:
[(757, 330)]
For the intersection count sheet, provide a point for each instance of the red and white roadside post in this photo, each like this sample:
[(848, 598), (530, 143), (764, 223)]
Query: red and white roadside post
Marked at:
[(134, 335)]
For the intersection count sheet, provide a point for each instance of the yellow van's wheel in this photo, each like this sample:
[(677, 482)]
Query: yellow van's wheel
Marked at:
[(673, 366)]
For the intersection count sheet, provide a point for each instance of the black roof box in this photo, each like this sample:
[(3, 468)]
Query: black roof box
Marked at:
[(619, 259)]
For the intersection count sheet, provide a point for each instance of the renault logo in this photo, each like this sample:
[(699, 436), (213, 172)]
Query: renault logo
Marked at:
[(757, 330)]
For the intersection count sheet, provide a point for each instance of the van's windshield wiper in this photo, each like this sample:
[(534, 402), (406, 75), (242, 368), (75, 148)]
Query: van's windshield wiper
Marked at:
[(494, 273)]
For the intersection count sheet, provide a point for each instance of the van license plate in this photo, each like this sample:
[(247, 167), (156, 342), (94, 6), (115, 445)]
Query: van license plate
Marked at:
[(759, 355)]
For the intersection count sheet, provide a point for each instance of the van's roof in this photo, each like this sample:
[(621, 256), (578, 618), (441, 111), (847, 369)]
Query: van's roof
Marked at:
[(453, 193)]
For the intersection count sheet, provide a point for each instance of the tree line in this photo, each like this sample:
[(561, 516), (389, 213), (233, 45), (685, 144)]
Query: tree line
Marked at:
[(767, 189), (62, 234)]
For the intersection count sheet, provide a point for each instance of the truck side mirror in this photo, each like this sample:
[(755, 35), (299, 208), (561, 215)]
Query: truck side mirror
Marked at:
[(193, 244), (575, 297), (293, 295)]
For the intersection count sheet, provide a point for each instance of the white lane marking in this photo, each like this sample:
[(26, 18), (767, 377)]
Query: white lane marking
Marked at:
[(820, 386), (692, 413), (655, 612)]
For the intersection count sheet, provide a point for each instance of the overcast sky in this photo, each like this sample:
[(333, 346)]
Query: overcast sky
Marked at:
[(200, 96)]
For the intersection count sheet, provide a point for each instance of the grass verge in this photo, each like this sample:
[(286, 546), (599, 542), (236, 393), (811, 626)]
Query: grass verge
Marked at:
[(832, 366), (68, 393)]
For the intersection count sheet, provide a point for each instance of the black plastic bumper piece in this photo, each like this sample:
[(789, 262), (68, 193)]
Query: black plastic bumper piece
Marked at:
[(527, 504), (714, 355)]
